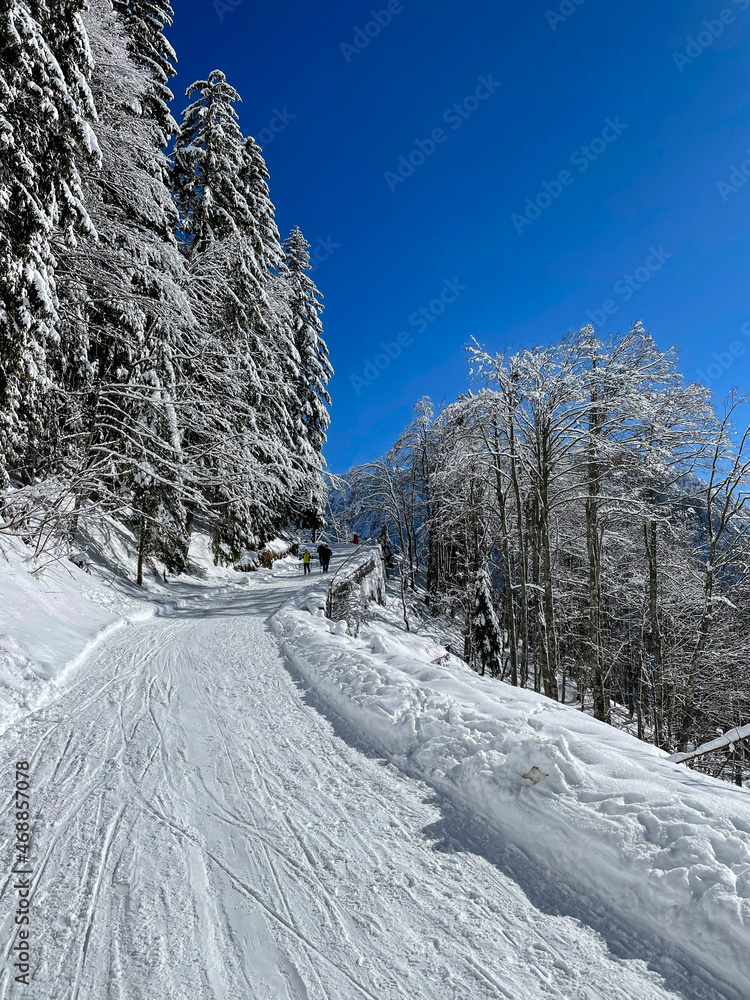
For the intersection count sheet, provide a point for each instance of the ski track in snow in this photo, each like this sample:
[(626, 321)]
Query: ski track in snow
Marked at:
[(202, 832)]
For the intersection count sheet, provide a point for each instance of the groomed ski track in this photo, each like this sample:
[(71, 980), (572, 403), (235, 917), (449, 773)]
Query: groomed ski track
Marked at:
[(204, 829)]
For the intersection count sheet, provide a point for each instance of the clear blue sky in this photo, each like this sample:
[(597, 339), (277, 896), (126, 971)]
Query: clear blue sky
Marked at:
[(357, 112)]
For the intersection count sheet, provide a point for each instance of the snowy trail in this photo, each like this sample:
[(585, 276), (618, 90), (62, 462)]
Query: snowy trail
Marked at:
[(203, 832)]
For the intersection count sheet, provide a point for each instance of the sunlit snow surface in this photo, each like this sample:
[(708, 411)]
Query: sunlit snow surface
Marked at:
[(205, 827), (661, 848)]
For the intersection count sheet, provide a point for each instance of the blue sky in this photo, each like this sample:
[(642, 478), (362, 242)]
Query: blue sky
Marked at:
[(636, 229)]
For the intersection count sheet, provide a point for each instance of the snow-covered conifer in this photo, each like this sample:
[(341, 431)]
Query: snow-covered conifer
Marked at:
[(145, 21), (207, 161), (314, 367), (46, 136), (254, 179), (486, 638), (249, 464), (125, 312)]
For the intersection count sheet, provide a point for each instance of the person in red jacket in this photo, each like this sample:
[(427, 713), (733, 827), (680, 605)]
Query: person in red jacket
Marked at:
[(355, 540)]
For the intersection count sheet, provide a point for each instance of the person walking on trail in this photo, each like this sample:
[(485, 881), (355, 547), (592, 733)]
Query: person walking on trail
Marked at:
[(325, 557), (321, 549), (306, 557)]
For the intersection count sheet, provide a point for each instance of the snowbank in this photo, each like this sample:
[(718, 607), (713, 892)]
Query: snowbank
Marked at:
[(54, 612), (49, 619), (664, 849), (252, 559), (359, 581)]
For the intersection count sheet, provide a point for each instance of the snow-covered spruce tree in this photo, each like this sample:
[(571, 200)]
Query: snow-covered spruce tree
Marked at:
[(486, 641), (314, 371), (254, 179), (207, 159), (275, 346), (275, 306), (206, 166), (46, 135), (145, 21), (127, 325), (252, 472)]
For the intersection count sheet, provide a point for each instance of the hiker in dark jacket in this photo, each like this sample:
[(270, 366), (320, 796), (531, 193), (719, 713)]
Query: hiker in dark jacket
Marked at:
[(321, 550), (325, 558)]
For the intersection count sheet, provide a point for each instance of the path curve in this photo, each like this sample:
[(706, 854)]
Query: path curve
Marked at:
[(202, 831)]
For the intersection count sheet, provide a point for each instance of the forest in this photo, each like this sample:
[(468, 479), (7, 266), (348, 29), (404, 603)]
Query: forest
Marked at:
[(579, 519), (161, 349)]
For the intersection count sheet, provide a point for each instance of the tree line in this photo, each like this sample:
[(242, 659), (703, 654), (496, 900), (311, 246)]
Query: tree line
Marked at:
[(580, 516), (161, 350)]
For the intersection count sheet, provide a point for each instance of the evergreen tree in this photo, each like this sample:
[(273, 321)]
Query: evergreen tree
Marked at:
[(486, 637), (314, 367), (254, 179), (125, 313), (207, 161), (46, 111), (145, 21), (311, 396), (230, 238)]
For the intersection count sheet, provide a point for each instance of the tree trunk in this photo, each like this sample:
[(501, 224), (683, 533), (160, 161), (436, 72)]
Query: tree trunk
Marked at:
[(522, 558), (651, 540), (594, 552), (142, 543), (687, 716), (510, 613), (190, 517), (549, 662)]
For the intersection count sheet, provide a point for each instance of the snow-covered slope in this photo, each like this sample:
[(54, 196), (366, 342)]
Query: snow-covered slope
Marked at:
[(665, 850), (54, 611), (204, 827), (49, 617)]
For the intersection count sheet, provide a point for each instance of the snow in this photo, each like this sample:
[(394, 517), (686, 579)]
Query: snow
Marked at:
[(364, 570), (54, 612), (664, 849), (720, 743), (277, 547), (48, 620), (205, 825)]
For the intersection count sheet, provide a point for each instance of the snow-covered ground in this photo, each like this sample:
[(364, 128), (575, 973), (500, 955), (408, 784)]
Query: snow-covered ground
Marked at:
[(206, 827), (662, 849), (53, 612)]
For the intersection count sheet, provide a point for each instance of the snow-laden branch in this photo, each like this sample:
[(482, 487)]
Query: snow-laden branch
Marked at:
[(720, 743)]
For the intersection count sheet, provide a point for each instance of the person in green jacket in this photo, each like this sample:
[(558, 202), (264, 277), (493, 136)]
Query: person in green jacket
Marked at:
[(306, 557)]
